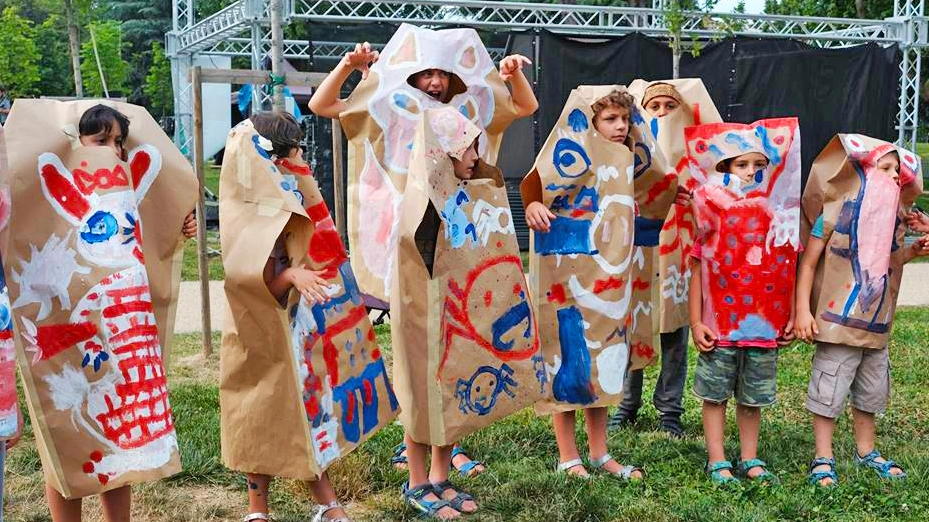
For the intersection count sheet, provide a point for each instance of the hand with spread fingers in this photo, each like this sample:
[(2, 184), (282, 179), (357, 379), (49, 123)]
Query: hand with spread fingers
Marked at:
[(309, 283), (362, 58), (511, 65)]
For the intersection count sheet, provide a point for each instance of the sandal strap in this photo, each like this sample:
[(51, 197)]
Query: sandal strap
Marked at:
[(874, 454), (256, 516), (628, 470), (565, 466), (460, 496), (325, 508), (600, 462), (719, 465), (745, 465), (822, 461), (398, 456)]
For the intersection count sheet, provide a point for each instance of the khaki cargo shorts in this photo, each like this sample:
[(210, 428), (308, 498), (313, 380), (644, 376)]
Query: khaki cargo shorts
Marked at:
[(840, 371)]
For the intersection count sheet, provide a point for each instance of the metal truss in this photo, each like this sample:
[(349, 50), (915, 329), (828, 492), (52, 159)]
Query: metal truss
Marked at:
[(223, 33)]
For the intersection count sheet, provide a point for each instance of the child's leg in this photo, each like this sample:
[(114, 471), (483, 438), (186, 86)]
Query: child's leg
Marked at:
[(669, 389), (595, 420), (438, 474), (714, 382), (324, 494), (117, 504), (416, 457), (61, 509), (823, 430), (563, 423), (870, 392), (748, 418), (714, 432), (757, 387), (258, 492)]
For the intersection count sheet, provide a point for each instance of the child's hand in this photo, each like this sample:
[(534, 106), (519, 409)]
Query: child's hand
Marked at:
[(921, 246), (309, 283), (789, 334), (189, 228), (361, 58), (805, 326), (918, 221), (511, 65), (539, 217), (683, 196), (703, 336)]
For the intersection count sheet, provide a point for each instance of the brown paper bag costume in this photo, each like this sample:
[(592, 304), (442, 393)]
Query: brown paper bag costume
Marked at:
[(300, 386), (581, 272), (380, 123), (466, 349), (858, 277), (9, 417), (677, 233), (92, 307)]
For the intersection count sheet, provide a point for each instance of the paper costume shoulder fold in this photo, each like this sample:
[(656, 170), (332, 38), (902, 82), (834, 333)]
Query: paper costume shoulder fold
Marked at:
[(858, 278), (89, 255), (381, 121)]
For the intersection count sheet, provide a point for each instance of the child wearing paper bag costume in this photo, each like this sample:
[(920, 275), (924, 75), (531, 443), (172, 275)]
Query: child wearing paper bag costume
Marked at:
[(747, 212), (670, 106), (93, 363), (302, 380), (466, 352), (581, 202), (854, 211)]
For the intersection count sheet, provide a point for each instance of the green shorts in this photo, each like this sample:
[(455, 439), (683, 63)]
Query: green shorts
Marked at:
[(749, 373)]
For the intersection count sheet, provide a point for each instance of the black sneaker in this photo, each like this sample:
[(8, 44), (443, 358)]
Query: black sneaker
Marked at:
[(672, 426), (622, 419)]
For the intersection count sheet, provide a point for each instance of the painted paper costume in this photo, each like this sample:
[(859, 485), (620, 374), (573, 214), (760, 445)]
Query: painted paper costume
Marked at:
[(858, 279), (466, 349), (9, 419), (582, 271), (381, 122), (91, 259), (677, 233), (748, 234), (313, 373)]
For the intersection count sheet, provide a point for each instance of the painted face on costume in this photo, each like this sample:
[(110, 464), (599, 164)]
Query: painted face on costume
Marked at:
[(106, 138), (748, 167), (464, 168), (433, 82), (889, 165), (612, 123), (661, 106)]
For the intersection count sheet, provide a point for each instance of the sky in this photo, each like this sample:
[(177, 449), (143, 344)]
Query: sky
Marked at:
[(751, 6)]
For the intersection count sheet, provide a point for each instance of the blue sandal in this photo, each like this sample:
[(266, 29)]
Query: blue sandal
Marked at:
[(882, 468), (428, 508), (399, 460), (765, 476), (460, 496), (714, 471), (815, 476), (467, 468)]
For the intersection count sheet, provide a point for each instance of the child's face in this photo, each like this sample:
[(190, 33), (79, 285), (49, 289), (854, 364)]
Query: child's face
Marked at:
[(661, 106), (613, 123), (104, 138), (464, 168), (433, 82), (746, 166), (889, 165)]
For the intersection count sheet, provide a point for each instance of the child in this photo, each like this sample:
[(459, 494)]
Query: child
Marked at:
[(675, 104), (583, 157), (847, 288), (742, 277), (381, 133)]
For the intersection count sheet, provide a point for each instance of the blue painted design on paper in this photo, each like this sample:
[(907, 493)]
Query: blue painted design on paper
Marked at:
[(366, 395), (457, 225), (566, 156), (769, 150), (753, 328), (566, 236), (577, 120), (647, 231), (479, 393), (572, 382), (509, 320)]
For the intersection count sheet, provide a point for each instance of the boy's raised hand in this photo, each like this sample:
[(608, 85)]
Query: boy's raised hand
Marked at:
[(918, 221), (511, 65), (805, 326), (703, 336), (361, 58), (539, 217), (310, 284)]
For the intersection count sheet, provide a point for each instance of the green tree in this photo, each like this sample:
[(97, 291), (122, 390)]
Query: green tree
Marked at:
[(870, 9), (143, 23), (109, 49), (54, 62), (19, 70), (158, 87)]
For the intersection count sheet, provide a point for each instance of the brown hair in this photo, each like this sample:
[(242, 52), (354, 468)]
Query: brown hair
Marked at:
[(281, 128), (617, 98)]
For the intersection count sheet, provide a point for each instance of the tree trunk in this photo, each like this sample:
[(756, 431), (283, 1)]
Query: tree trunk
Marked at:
[(74, 44), (860, 6), (277, 54)]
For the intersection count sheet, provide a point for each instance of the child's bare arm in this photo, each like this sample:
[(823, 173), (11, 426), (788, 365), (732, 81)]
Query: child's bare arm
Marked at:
[(538, 216), (308, 282), (702, 334), (919, 248), (325, 101), (804, 322), (511, 70)]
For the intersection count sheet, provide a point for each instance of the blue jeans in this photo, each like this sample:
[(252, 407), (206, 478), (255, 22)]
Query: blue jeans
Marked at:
[(669, 390)]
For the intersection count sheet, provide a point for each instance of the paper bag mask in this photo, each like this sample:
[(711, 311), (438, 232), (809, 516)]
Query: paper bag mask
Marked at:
[(466, 349), (857, 280), (92, 266), (749, 232), (381, 121), (676, 236), (581, 270), (313, 372)]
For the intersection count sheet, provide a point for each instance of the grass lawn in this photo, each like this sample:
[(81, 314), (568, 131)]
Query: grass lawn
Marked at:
[(520, 451)]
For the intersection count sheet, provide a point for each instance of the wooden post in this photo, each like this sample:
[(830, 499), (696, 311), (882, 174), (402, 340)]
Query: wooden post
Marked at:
[(277, 54), (338, 177), (197, 86)]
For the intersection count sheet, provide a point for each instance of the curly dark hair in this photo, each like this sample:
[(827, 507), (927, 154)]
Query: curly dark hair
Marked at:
[(617, 98)]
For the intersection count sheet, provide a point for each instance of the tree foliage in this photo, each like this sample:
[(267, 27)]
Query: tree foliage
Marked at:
[(19, 70), (54, 64), (870, 9), (109, 50), (158, 87)]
